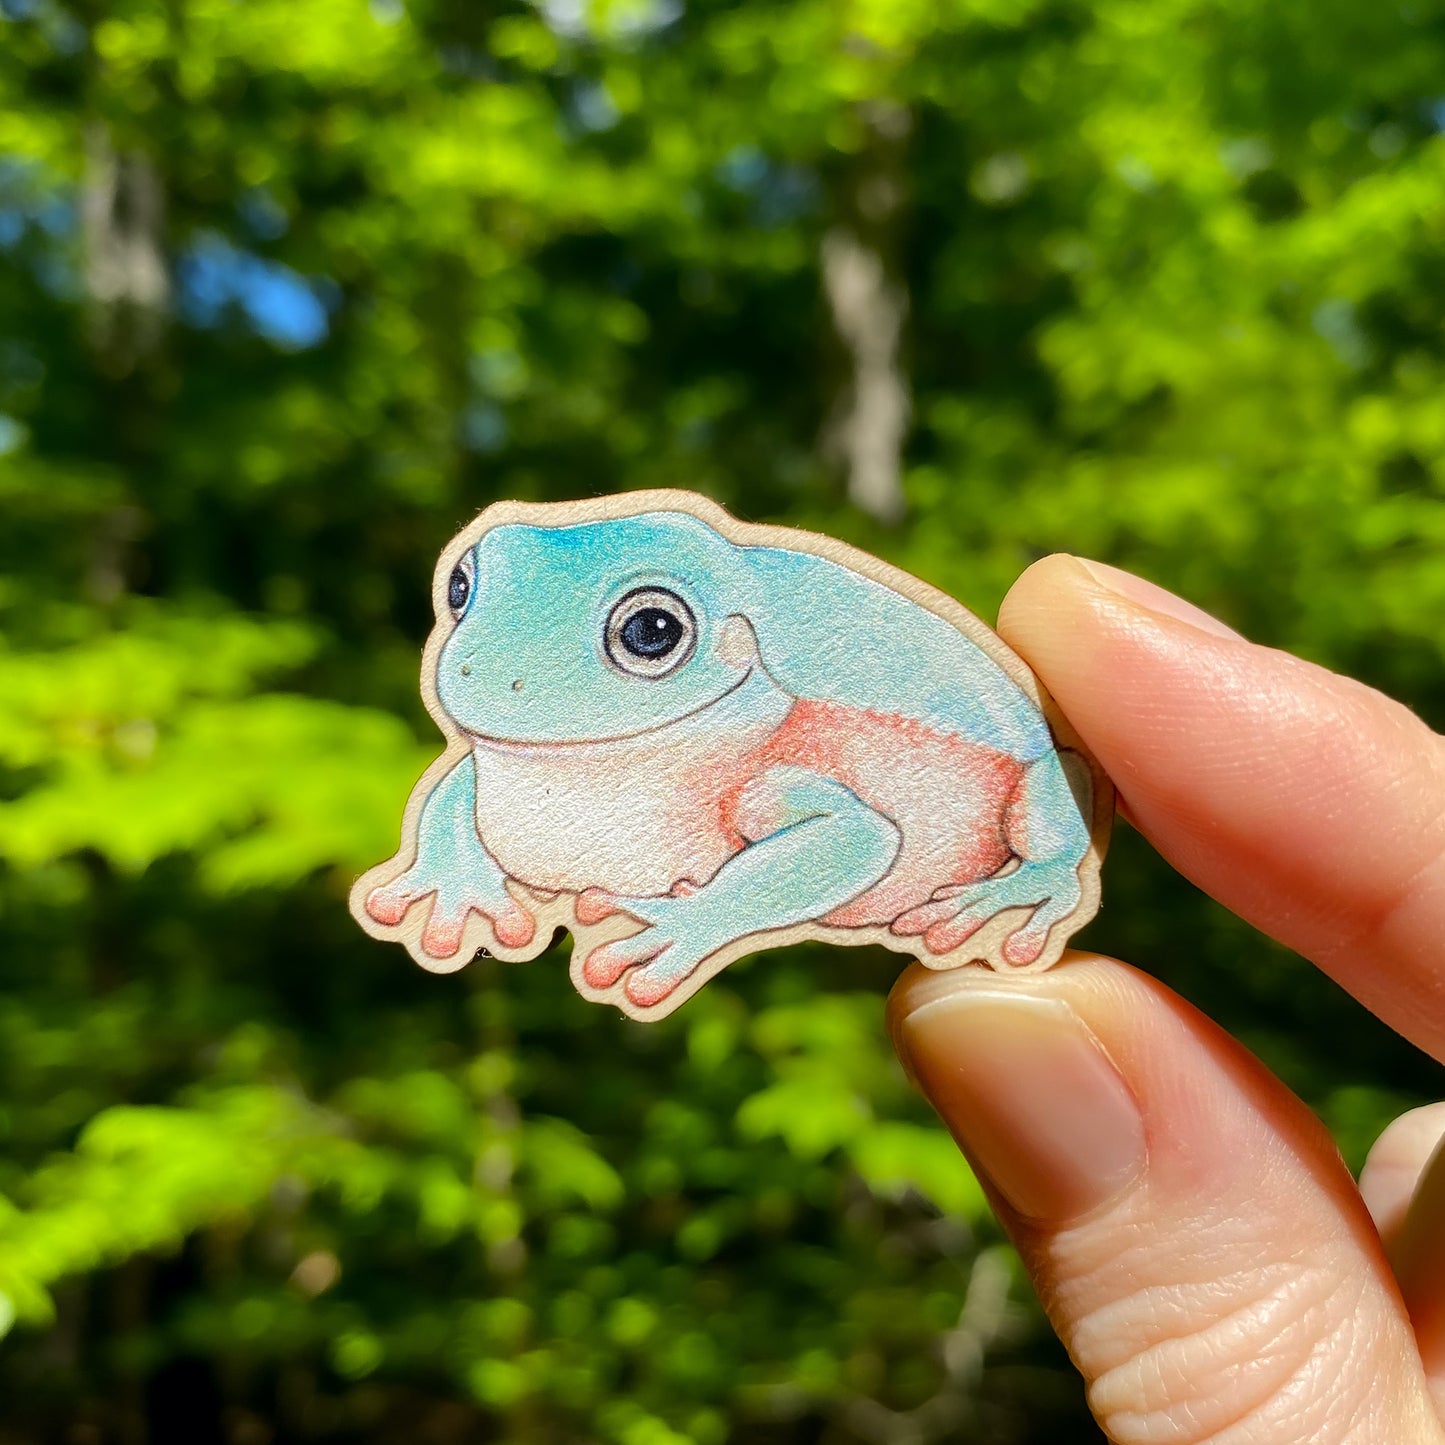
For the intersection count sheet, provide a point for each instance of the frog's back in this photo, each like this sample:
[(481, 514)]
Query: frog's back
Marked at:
[(829, 633)]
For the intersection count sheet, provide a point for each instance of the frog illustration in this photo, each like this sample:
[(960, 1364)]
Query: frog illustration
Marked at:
[(685, 738)]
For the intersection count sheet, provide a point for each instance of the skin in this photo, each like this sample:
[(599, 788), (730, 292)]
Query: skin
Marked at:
[(1199, 1246), (825, 751)]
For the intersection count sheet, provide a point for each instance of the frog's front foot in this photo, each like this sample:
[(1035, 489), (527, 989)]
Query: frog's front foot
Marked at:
[(453, 901), (1049, 890), (658, 958)]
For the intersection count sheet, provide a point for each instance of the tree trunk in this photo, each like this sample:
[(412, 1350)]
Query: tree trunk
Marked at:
[(868, 301), (122, 211)]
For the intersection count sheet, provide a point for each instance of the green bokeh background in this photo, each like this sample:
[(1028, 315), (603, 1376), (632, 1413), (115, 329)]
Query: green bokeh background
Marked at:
[(289, 290)]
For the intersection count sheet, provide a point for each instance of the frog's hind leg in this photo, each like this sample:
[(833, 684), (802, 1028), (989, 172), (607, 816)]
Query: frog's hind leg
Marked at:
[(1047, 829), (811, 846)]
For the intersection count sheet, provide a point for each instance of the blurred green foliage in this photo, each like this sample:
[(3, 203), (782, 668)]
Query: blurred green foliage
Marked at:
[(288, 291)]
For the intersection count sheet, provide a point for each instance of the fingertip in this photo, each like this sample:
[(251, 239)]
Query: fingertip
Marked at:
[(1417, 1252), (1186, 1220), (1043, 603), (919, 986), (1058, 569), (1306, 802), (1026, 1087), (1395, 1164), (1061, 582), (1088, 628)]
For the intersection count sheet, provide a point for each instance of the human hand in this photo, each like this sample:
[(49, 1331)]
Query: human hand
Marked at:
[(1197, 1242)]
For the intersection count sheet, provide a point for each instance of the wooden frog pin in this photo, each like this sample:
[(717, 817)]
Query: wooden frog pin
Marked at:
[(686, 738)]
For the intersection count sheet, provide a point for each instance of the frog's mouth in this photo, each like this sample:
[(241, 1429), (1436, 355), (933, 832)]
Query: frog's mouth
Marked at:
[(728, 700)]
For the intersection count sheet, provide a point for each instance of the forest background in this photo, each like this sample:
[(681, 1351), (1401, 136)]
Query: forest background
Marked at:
[(289, 290)]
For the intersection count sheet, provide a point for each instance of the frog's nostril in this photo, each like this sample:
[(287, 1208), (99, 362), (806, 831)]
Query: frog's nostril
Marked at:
[(516, 684)]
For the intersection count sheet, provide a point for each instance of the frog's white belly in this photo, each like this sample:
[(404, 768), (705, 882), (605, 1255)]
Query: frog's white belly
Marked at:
[(633, 816)]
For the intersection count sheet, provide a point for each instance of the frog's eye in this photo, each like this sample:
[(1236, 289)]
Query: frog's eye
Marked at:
[(650, 632), (459, 584)]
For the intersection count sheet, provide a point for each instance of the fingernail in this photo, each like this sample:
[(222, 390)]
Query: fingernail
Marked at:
[(1156, 599), (1031, 1097)]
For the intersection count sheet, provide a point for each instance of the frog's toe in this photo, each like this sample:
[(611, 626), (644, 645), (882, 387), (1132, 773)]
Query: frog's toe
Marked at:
[(951, 917), (953, 932), (607, 963), (594, 905), (1024, 945), (513, 925), (648, 986), (441, 937), (389, 903), (919, 920), (387, 906)]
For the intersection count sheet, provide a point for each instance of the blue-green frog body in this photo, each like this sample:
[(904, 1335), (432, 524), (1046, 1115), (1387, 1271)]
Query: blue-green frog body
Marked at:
[(731, 736)]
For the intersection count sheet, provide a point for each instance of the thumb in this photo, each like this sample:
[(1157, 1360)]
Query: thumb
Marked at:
[(1189, 1226)]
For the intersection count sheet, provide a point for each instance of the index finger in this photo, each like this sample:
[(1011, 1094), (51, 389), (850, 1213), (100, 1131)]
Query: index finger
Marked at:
[(1311, 805)]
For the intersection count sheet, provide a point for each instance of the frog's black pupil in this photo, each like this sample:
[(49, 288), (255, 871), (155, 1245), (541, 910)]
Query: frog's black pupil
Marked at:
[(651, 632), (457, 589)]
